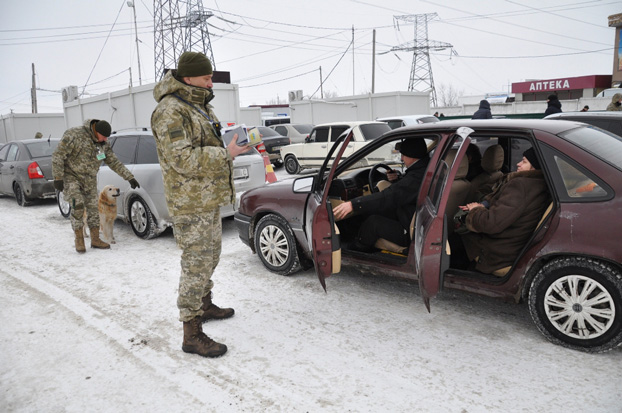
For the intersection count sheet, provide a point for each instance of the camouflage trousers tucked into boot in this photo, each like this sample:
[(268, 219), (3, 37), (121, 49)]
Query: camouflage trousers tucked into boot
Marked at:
[(96, 242), (212, 312), (196, 342), (80, 241)]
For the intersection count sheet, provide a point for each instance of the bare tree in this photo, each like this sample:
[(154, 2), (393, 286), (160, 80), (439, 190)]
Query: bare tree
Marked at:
[(448, 95)]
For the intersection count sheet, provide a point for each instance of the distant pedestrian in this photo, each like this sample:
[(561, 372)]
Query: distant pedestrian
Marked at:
[(198, 179), (484, 110), (554, 105), (436, 114), (616, 103), (585, 108), (75, 163)]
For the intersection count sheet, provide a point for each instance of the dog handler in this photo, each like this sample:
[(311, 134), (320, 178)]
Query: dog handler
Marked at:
[(198, 180), (75, 163)]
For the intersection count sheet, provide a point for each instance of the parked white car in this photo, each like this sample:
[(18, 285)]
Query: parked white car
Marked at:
[(145, 208), (408, 120), (297, 133), (311, 154)]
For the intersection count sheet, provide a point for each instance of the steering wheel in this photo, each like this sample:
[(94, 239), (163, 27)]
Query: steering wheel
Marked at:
[(374, 171)]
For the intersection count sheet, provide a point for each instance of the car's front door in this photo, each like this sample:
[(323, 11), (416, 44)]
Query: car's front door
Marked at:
[(323, 236), (431, 243)]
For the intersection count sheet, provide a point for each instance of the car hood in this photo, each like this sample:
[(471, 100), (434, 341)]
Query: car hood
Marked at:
[(276, 196)]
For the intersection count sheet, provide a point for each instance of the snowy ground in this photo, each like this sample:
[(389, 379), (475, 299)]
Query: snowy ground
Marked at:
[(99, 332)]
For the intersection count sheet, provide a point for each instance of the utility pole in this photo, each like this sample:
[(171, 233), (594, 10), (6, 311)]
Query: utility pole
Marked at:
[(131, 4), (421, 69), (321, 84), (353, 77), (33, 91), (373, 63)]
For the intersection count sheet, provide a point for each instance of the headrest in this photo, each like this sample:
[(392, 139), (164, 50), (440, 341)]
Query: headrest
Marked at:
[(492, 160), (463, 169)]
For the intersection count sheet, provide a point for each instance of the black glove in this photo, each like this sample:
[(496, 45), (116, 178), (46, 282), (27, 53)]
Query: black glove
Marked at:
[(58, 184), (134, 183)]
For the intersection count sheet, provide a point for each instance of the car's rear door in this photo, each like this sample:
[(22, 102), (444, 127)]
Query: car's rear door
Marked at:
[(431, 244)]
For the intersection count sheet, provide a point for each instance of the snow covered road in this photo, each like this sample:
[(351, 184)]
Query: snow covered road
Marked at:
[(99, 332)]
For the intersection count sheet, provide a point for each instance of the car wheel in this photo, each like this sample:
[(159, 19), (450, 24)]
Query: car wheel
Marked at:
[(276, 245), (141, 219), (291, 165), (577, 303), (278, 163), (63, 206), (20, 197)]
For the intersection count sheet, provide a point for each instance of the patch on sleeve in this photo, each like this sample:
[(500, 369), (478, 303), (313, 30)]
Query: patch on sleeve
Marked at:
[(175, 131)]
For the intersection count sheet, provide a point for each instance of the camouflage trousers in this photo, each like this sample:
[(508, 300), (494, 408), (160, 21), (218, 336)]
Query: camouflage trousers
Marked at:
[(200, 238), (82, 196)]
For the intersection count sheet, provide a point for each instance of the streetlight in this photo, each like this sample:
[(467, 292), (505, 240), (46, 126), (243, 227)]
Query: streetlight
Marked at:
[(130, 3)]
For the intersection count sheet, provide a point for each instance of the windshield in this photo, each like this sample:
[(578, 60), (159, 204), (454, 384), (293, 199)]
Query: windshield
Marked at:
[(41, 149), (304, 129), (598, 142), (266, 132), (373, 130)]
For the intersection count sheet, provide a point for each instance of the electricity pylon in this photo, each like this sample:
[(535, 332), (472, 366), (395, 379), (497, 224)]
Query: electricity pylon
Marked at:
[(179, 26), (421, 79)]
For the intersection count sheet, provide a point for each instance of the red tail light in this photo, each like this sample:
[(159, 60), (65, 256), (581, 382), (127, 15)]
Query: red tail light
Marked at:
[(34, 171)]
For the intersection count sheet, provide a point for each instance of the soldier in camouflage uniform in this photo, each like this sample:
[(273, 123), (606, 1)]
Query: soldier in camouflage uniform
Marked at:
[(75, 163), (198, 180)]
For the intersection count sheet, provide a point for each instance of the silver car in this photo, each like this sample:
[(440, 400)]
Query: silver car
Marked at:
[(145, 208)]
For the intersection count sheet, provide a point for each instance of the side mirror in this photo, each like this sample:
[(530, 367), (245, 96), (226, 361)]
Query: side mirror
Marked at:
[(303, 185)]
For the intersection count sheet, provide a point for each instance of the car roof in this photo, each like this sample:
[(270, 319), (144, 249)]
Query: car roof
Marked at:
[(132, 131), (348, 123), (24, 141), (551, 126), (404, 117), (587, 115)]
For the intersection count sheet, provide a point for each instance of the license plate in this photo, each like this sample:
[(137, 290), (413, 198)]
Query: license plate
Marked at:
[(276, 149), (240, 173)]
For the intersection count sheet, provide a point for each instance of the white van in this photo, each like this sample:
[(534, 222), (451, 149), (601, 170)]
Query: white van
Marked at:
[(607, 93)]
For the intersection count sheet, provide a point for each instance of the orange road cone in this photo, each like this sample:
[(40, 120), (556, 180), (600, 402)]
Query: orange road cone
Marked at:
[(270, 175)]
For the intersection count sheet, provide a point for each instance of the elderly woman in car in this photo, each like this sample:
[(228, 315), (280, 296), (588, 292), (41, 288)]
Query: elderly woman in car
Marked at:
[(503, 222)]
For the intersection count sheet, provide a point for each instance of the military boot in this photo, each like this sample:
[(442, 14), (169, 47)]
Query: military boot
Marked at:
[(212, 312), (80, 241), (196, 342), (96, 242)]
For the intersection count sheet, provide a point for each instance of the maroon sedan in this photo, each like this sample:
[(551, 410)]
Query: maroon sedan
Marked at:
[(569, 271)]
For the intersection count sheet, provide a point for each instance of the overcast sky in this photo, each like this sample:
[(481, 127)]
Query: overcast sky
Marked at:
[(271, 47)]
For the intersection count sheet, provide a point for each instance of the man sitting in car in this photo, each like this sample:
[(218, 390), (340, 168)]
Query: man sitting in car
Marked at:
[(388, 213)]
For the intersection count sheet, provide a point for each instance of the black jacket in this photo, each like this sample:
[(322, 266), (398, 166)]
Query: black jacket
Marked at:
[(555, 106), (399, 201), (484, 110)]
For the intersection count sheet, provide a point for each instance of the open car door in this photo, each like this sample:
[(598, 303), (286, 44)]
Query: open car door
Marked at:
[(431, 243), (323, 236)]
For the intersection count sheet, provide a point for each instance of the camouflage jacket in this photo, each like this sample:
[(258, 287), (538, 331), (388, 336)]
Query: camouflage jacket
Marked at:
[(196, 167), (76, 156)]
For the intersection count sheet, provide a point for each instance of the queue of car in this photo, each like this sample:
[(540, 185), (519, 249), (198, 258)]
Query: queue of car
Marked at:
[(569, 273)]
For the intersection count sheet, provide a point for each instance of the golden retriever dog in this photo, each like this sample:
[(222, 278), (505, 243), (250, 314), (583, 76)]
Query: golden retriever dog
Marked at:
[(107, 205)]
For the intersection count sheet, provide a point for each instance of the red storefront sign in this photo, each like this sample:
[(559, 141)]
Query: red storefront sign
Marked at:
[(568, 83)]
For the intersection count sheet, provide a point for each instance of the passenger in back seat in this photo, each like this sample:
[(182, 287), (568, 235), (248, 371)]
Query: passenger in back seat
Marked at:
[(389, 212), (502, 224)]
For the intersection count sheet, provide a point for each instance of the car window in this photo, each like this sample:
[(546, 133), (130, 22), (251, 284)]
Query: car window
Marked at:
[(124, 148), (429, 119), (281, 130), (303, 129), (3, 152), (393, 124), (267, 132), (147, 152), (600, 143), (373, 130), (336, 132), (577, 183), (41, 148), (320, 135), (13, 151)]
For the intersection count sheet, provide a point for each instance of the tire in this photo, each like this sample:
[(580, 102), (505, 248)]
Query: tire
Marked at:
[(141, 219), (20, 197), (276, 245), (291, 165), (278, 163), (63, 206), (577, 303)]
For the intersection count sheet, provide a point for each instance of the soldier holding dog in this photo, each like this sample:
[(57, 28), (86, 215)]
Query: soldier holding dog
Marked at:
[(75, 163), (198, 179)]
